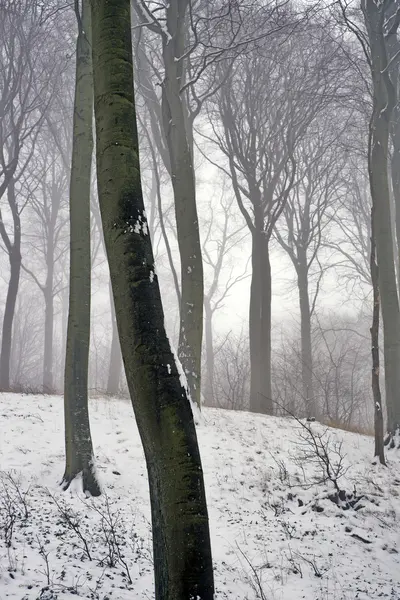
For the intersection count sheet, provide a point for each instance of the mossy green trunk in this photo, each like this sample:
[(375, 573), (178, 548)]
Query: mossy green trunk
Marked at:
[(78, 442), (181, 540)]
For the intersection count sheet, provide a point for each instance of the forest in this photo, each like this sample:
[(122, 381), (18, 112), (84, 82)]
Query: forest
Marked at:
[(200, 299)]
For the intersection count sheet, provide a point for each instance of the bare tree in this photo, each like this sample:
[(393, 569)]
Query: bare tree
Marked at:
[(258, 117), (222, 235), (27, 78), (306, 216)]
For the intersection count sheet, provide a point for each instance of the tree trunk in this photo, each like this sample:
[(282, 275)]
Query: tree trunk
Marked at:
[(181, 540), (209, 346), (183, 183), (260, 325), (306, 343), (48, 321), (384, 103), (78, 442), (12, 292), (395, 172), (115, 370), (376, 390)]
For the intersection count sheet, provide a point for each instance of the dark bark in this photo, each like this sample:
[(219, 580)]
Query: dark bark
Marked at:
[(14, 255), (78, 441), (376, 390), (260, 325), (181, 539)]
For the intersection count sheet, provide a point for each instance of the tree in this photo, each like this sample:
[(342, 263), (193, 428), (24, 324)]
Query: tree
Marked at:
[(78, 441), (178, 133), (381, 24), (27, 81), (378, 407), (220, 239), (258, 118), (306, 215), (47, 177), (181, 539)]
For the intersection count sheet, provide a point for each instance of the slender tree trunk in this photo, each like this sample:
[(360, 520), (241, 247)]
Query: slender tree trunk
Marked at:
[(395, 172), (260, 325), (115, 370), (12, 292), (384, 101), (78, 441), (48, 322), (181, 539), (306, 343), (183, 182), (376, 390), (210, 363)]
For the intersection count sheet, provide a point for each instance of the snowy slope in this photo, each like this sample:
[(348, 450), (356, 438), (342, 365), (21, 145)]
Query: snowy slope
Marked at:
[(275, 532)]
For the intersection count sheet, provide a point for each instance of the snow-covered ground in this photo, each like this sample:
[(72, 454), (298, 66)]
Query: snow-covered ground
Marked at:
[(275, 532)]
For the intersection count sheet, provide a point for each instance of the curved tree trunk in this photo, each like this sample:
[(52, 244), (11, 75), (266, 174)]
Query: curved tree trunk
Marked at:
[(181, 540), (78, 441), (14, 255), (260, 325)]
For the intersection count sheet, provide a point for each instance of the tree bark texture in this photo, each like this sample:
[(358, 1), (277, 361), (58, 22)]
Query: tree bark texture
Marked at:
[(181, 539), (260, 325), (178, 138), (14, 255), (78, 441)]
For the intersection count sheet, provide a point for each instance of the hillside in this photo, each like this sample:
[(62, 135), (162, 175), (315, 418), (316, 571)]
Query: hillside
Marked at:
[(279, 531)]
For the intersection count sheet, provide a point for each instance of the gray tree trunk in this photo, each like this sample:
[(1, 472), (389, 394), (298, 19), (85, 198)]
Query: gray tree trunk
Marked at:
[(306, 343), (181, 539), (209, 392), (260, 325), (384, 103), (178, 138), (14, 255), (78, 441)]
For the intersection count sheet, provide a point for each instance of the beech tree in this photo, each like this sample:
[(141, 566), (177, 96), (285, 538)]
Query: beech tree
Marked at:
[(258, 118), (181, 539), (25, 91), (78, 441), (301, 231)]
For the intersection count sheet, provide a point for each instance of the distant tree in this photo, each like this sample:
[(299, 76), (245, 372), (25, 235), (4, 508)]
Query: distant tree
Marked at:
[(181, 539), (47, 178), (78, 442), (258, 117), (302, 229), (28, 77)]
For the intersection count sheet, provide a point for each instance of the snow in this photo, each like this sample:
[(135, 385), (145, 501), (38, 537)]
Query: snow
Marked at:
[(270, 521)]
